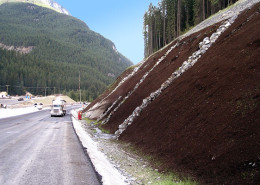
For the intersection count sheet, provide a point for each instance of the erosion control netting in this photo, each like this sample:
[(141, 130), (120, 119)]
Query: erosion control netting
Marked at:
[(158, 75), (206, 122)]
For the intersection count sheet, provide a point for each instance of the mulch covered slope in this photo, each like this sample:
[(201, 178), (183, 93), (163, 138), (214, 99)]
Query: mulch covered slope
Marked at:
[(109, 101), (159, 75), (127, 86), (207, 122)]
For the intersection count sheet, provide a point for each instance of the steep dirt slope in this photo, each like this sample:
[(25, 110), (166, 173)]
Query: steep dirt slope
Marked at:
[(156, 77), (102, 103), (206, 122), (97, 103)]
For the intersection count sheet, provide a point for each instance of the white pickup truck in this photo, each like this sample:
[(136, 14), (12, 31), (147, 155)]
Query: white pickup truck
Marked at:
[(58, 108)]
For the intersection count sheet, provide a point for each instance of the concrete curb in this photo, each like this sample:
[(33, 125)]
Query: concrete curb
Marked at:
[(109, 174)]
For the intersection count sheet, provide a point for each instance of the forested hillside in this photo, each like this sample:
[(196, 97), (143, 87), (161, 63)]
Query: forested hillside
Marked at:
[(171, 18), (62, 47)]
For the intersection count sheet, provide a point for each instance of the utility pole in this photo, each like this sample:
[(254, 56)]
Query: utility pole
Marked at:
[(7, 88), (45, 91), (79, 89)]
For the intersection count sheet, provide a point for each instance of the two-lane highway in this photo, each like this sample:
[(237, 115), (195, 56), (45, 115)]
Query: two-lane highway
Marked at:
[(39, 149)]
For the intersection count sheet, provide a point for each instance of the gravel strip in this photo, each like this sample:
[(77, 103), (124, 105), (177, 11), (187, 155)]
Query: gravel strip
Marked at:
[(135, 168)]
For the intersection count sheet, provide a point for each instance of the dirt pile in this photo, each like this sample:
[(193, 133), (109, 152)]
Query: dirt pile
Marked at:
[(206, 123)]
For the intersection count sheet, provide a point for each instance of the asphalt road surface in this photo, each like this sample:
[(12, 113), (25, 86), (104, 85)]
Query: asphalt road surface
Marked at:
[(39, 149), (9, 101)]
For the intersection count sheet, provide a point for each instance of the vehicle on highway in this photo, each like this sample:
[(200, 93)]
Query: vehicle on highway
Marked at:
[(40, 106), (20, 99), (58, 107), (3, 106)]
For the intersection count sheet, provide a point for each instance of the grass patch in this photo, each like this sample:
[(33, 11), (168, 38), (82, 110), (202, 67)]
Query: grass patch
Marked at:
[(170, 179), (89, 120), (94, 131), (103, 130), (150, 174), (96, 123)]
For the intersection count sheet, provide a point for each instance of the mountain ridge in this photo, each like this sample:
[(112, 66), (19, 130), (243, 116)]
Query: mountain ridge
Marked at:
[(44, 3), (60, 40)]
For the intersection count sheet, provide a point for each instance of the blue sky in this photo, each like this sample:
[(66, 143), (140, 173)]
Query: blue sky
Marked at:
[(121, 21)]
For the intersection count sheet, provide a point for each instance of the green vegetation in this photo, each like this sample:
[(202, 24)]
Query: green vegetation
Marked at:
[(171, 179), (63, 46), (152, 175), (103, 130), (88, 121), (97, 123)]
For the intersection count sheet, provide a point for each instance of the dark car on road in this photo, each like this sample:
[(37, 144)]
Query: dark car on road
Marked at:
[(3, 106)]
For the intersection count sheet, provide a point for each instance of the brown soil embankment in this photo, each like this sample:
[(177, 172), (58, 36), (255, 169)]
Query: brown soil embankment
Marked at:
[(206, 122)]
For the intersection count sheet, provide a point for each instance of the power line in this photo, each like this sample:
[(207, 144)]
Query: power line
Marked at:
[(41, 87)]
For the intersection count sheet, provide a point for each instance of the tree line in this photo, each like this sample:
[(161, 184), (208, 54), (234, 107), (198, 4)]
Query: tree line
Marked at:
[(171, 18), (38, 76)]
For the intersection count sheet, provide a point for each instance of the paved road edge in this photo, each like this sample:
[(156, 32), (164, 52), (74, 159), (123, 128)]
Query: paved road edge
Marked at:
[(109, 174)]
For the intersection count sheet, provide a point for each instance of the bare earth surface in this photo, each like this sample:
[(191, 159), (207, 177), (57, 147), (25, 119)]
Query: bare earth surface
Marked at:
[(207, 122)]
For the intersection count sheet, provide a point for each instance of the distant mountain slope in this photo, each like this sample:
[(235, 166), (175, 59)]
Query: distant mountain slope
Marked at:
[(44, 3), (61, 46), (194, 106)]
